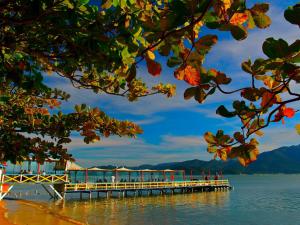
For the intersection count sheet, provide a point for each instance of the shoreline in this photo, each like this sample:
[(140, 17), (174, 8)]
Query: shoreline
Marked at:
[(23, 212)]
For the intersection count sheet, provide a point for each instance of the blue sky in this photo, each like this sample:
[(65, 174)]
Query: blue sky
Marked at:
[(173, 128)]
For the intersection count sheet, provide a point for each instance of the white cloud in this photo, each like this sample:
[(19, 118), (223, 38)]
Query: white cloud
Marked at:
[(170, 141), (232, 53), (278, 136), (149, 120), (131, 152)]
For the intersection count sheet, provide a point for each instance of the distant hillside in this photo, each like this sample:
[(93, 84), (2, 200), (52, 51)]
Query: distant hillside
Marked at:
[(281, 160)]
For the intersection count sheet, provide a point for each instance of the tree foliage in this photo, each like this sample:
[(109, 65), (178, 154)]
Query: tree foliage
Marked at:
[(99, 45)]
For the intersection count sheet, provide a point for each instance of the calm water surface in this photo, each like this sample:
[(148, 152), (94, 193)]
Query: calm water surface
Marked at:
[(256, 199)]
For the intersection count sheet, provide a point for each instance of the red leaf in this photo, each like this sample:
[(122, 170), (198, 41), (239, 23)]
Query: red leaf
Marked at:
[(154, 68), (22, 65), (289, 112)]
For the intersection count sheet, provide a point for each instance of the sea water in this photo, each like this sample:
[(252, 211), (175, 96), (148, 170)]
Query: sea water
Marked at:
[(255, 199)]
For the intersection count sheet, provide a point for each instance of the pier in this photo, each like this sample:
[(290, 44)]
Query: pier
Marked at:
[(92, 182), (147, 188)]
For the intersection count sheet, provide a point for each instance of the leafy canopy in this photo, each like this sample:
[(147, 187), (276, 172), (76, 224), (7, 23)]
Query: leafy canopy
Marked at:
[(99, 46)]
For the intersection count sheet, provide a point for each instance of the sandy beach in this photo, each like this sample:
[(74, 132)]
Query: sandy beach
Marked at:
[(23, 212)]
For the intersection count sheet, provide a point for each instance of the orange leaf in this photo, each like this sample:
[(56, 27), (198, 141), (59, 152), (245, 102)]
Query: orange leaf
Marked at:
[(289, 112), (154, 68), (192, 76), (228, 149), (189, 74), (238, 18)]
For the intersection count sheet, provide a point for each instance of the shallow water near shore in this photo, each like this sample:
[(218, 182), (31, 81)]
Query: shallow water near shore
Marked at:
[(256, 199)]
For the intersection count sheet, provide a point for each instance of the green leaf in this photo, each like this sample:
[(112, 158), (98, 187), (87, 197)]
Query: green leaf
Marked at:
[(239, 106), (4, 99), (69, 4), (212, 149), (200, 95), (78, 108), (211, 91), (83, 2), (292, 14), (246, 66), (174, 61), (238, 32), (204, 44), (222, 111), (258, 65), (261, 20), (212, 20), (83, 106), (275, 48), (164, 49), (189, 93), (209, 138), (252, 94), (238, 5), (295, 47), (116, 3)]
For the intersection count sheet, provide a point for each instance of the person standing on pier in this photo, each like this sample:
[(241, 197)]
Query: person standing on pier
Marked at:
[(113, 178)]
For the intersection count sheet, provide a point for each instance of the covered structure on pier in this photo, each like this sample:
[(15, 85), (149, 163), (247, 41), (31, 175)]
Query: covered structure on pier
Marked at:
[(78, 174)]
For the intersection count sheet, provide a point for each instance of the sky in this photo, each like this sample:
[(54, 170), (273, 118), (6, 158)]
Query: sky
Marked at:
[(173, 127)]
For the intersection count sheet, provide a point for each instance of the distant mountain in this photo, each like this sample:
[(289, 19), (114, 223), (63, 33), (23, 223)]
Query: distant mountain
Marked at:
[(281, 160)]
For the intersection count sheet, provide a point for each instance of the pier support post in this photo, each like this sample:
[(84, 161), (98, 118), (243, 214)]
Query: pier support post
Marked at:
[(56, 192), (2, 195)]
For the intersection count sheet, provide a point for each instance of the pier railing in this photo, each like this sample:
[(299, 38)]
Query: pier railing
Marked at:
[(143, 185), (34, 178)]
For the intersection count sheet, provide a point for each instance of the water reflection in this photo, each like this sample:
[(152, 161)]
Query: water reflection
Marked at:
[(133, 209)]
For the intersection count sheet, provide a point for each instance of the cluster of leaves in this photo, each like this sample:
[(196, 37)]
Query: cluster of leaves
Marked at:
[(221, 145), (265, 102), (28, 129), (88, 45), (99, 45)]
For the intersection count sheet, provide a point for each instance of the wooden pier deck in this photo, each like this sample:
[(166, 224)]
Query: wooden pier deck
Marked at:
[(123, 188), (58, 186)]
